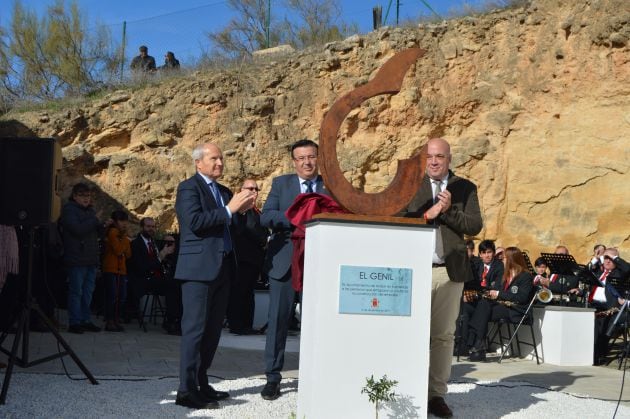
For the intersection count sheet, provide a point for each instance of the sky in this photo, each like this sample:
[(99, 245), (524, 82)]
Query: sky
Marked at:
[(181, 26)]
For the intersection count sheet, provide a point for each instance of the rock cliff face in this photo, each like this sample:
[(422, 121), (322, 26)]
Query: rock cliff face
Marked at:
[(535, 102)]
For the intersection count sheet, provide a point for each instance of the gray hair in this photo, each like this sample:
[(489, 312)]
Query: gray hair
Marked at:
[(198, 152)]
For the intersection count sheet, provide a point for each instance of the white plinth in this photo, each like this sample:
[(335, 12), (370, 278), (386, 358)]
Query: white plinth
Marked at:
[(339, 351), (567, 335)]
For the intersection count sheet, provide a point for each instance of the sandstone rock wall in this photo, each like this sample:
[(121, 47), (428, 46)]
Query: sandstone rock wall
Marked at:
[(535, 102)]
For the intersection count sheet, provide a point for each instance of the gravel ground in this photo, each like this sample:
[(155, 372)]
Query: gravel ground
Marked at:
[(56, 396)]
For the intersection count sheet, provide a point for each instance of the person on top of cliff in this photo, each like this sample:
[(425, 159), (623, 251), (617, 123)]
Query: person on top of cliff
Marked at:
[(143, 62), (170, 62)]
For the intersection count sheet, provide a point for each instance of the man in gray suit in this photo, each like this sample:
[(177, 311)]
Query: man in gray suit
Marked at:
[(206, 265), (284, 189), (451, 203)]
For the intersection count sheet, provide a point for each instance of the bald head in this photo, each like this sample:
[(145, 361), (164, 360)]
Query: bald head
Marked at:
[(438, 158)]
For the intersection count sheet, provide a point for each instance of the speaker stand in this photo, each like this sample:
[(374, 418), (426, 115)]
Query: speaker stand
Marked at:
[(23, 330)]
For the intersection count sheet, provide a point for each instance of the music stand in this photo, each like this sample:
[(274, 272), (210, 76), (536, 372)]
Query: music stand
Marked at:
[(561, 265), (528, 263), (23, 329)]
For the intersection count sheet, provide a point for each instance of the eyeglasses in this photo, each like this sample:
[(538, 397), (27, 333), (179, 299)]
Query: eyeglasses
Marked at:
[(251, 188), (84, 195), (305, 158)]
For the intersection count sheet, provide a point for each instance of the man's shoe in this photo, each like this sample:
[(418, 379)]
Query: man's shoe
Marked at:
[(90, 327), (271, 391), (75, 328), (194, 400), (437, 406), (210, 394), (477, 355)]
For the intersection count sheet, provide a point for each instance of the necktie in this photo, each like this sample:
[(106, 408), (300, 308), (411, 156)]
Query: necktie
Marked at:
[(483, 276), (309, 186), (439, 246), (227, 239), (150, 248), (602, 279), (437, 189), (155, 257)]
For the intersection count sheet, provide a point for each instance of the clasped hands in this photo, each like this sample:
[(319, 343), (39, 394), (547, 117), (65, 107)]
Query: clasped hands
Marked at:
[(441, 206), (242, 201)]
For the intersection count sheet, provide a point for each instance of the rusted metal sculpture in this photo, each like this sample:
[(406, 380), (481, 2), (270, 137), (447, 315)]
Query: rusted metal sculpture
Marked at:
[(410, 171)]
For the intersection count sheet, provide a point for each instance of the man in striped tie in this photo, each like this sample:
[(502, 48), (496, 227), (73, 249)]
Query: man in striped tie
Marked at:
[(206, 266)]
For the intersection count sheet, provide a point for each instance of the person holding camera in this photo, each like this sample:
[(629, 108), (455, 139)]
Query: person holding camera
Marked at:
[(117, 250)]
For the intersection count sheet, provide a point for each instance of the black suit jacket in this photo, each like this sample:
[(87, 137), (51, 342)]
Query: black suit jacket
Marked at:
[(250, 238), (463, 217), (201, 224), (520, 289), (141, 265)]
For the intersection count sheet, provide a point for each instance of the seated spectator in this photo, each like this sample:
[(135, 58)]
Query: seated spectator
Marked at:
[(117, 250), (170, 62), (595, 264), (488, 275), (540, 266), (143, 62), (605, 298), (559, 283), (509, 302), (147, 274)]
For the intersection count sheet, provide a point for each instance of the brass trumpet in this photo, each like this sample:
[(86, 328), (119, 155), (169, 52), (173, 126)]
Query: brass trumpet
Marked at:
[(544, 295)]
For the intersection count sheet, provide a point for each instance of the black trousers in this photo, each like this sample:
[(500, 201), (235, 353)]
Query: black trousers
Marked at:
[(485, 312), (240, 312), (466, 311)]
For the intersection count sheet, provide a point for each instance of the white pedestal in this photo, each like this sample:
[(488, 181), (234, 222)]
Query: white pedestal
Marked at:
[(567, 335), (339, 351)]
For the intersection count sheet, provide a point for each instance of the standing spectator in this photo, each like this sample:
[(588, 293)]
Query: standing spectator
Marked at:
[(80, 231), (170, 62), (143, 63), (250, 239), (284, 190), (117, 250)]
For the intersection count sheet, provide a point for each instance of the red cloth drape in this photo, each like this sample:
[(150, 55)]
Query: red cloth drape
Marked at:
[(303, 208)]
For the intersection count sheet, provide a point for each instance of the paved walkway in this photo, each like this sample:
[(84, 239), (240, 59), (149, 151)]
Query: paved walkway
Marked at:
[(154, 353)]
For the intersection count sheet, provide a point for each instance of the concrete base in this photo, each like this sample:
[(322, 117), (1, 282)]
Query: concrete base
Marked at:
[(338, 351), (564, 335)]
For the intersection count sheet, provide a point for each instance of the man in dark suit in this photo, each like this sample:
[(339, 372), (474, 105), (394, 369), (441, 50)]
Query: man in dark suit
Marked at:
[(250, 240), (206, 265), (451, 203), (146, 274), (488, 276), (605, 297), (284, 189)]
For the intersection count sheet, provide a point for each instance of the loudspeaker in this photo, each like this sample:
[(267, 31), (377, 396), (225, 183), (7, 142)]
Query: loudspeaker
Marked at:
[(29, 181)]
